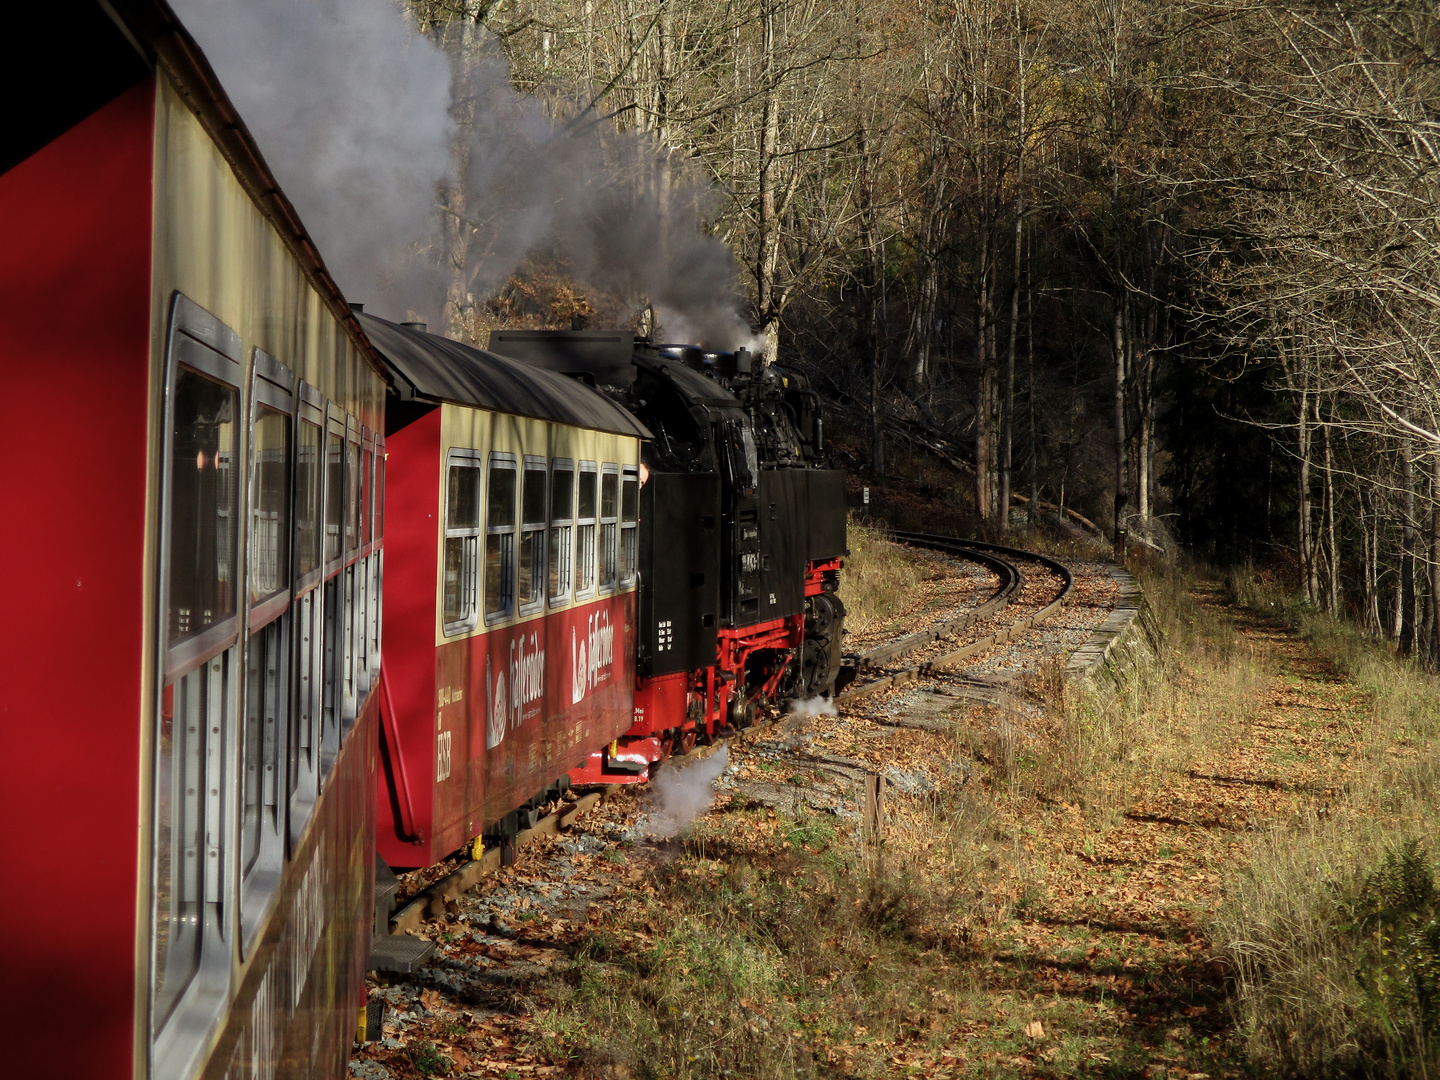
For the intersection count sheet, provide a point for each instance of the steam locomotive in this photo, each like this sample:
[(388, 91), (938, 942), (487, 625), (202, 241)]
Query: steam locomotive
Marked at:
[(742, 528), (295, 585), (608, 550)]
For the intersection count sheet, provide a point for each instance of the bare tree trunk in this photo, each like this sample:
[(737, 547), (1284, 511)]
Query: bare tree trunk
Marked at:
[(983, 392), (1307, 558), (455, 231), (1409, 541), (872, 274), (1434, 563), (1007, 415), (1007, 411), (1332, 591), (768, 228), (1122, 492), (1367, 571), (1034, 508), (1145, 451)]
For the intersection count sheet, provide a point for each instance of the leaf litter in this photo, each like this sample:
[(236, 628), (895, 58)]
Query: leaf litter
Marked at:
[(1080, 950)]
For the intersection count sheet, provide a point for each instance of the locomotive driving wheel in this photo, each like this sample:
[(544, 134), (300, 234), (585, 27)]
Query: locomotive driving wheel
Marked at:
[(814, 667), (825, 611)]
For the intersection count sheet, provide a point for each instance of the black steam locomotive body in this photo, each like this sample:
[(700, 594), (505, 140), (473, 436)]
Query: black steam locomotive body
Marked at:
[(742, 530)]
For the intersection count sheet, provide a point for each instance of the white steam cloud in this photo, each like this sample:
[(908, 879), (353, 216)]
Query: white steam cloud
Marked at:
[(682, 795), (819, 705), (364, 120)]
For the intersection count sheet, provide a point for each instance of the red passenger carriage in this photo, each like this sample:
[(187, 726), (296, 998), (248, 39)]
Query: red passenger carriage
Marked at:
[(510, 619), (192, 458)]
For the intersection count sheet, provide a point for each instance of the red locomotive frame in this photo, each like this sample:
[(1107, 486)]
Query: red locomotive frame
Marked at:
[(674, 712)]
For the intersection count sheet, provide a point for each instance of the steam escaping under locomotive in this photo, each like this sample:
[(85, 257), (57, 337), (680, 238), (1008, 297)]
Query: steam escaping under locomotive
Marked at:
[(742, 530)]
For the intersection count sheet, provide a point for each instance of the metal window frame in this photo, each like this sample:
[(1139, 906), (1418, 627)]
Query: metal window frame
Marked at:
[(534, 463), (628, 580), (271, 385), (198, 340), (367, 490), (501, 459), (471, 459), (307, 709), (334, 426), (377, 553), (349, 552), (607, 468), (336, 646), (311, 409), (267, 390), (590, 591), (564, 596)]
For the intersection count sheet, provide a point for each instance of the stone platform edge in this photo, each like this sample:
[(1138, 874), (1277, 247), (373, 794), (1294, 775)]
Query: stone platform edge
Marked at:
[(1127, 637)]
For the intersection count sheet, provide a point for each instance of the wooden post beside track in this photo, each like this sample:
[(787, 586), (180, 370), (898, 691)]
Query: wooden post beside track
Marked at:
[(873, 815)]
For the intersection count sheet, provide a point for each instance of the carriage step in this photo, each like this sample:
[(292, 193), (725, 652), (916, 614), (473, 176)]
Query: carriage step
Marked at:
[(399, 952)]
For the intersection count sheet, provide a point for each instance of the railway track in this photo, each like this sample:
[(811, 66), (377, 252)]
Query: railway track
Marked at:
[(908, 658), (930, 649)]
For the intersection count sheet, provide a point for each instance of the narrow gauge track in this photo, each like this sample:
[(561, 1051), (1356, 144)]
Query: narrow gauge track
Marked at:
[(931, 641), (429, 902)]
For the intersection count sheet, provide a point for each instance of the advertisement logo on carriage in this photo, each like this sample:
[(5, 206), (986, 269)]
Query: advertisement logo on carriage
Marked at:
[(591, 656), (526, 669)]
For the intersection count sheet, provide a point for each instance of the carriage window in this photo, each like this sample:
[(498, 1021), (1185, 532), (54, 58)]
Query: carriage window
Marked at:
[(334, 495), (307, 500), (609, 512), (500, 539), (367, 493), (380, 494), (377, 515), (585, 530), (352, 495), (532, 535), (200, 545), (270, 504), (629, 533), (202, 537), (265, 721), (462, 546), (562, 518), (197, 646)]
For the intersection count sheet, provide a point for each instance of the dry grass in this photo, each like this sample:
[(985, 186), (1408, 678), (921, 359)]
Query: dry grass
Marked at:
[(1117, 738), (1328, 984), (774, 947), (880, 576), (778, 947)]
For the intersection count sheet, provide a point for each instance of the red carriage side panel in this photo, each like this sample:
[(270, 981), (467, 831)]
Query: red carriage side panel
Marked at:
[(75, 237), (412, 465), (528, 703)]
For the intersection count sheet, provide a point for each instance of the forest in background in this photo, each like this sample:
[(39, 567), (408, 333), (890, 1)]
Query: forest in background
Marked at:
[(1175, 266)]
